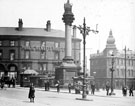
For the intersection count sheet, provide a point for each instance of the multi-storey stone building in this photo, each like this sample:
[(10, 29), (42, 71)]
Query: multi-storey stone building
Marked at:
[(41, 49), (101, 63)]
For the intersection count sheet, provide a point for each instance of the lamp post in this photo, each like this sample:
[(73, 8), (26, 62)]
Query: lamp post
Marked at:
[(94, 74), (112, 70), (85, 31), (125, 68)]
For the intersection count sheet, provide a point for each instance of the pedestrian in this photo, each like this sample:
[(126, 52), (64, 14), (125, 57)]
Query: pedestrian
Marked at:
[(131, 91), (124, 90), (58, 86), (13, 81), (92, 89), (48, 85), (45, 85), (2, 82), (69, 87), (31, 95), (107, 89)]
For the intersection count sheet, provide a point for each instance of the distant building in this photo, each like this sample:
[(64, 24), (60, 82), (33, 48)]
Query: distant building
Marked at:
[(100, 64), (41, 49)]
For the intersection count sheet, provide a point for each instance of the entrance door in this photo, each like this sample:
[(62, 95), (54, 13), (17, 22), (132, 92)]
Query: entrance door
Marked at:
[(2, 70)]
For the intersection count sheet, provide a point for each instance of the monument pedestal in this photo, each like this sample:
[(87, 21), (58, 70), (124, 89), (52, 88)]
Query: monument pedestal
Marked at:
[(66, 71)]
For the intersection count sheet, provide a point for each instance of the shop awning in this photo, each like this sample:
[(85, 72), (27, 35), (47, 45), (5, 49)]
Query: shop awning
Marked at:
[(30, 71)]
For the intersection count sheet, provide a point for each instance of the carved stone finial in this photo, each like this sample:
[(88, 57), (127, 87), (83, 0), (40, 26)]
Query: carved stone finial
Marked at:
[(68, 16)]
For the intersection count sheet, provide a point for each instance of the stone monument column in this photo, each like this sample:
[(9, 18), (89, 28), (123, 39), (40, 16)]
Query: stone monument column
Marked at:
[(68, 18), (67, 69)]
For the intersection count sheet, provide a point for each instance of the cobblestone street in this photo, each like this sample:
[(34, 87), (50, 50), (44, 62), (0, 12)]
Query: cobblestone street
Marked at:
[(19, 97)]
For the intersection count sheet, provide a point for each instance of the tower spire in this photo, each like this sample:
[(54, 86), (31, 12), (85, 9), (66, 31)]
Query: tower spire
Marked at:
[(110, 32)]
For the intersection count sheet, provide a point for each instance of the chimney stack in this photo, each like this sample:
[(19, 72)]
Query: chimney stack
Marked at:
[(48, 26), (20, 24)]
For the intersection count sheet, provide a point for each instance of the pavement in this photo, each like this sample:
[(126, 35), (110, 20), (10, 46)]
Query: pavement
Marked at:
[(18, 97)]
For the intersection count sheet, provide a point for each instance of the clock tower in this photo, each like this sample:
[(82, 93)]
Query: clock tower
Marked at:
[(110, 45)]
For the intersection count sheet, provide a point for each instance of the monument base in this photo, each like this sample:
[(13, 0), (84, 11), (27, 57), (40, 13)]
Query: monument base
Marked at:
[(66, 71)]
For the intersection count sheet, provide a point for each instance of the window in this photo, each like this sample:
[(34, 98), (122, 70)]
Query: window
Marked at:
[(42, 55), (118, 61), (128, 72), (12, 43), (56, 45), (27, 43), (12, 68), (132, 62), (40, 67), (12, 55), (129, 62), (44, 67), (117, 72), (0, 43), (1, 53), (132, 72), (121, 61), (43, 44), (56, 55), (122, 72), (27, 54)]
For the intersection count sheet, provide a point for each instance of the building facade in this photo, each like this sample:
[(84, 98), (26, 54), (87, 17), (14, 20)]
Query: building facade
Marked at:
[(41, 49), (123, 63)]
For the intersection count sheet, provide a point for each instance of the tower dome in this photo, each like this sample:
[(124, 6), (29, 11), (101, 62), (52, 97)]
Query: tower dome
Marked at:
[(110, 39)]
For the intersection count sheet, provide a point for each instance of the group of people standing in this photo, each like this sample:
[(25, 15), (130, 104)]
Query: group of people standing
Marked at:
[(7, 80), (31, 94), (124, 90)]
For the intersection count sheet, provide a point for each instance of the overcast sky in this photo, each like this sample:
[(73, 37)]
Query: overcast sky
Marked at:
[(118, 15)]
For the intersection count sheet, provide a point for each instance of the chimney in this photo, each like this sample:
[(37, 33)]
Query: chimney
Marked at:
[(48, 26), (20, 24), (74, 31)]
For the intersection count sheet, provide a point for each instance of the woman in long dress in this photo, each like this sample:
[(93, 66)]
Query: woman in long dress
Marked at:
[(31, 95)]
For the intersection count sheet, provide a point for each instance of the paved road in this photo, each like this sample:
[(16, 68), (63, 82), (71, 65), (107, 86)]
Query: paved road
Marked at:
[(19, 97)]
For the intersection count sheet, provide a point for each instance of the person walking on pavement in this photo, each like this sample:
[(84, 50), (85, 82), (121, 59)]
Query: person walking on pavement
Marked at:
[(69, 87), (124, 90), (92, 88), (48, 85), (131, 91), (45, 82), (107, 89), (58, 86), (31, 95)]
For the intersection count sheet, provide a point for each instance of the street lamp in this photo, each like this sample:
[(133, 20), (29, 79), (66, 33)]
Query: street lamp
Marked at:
[(85, 31), (112, 70), (125, 68)]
